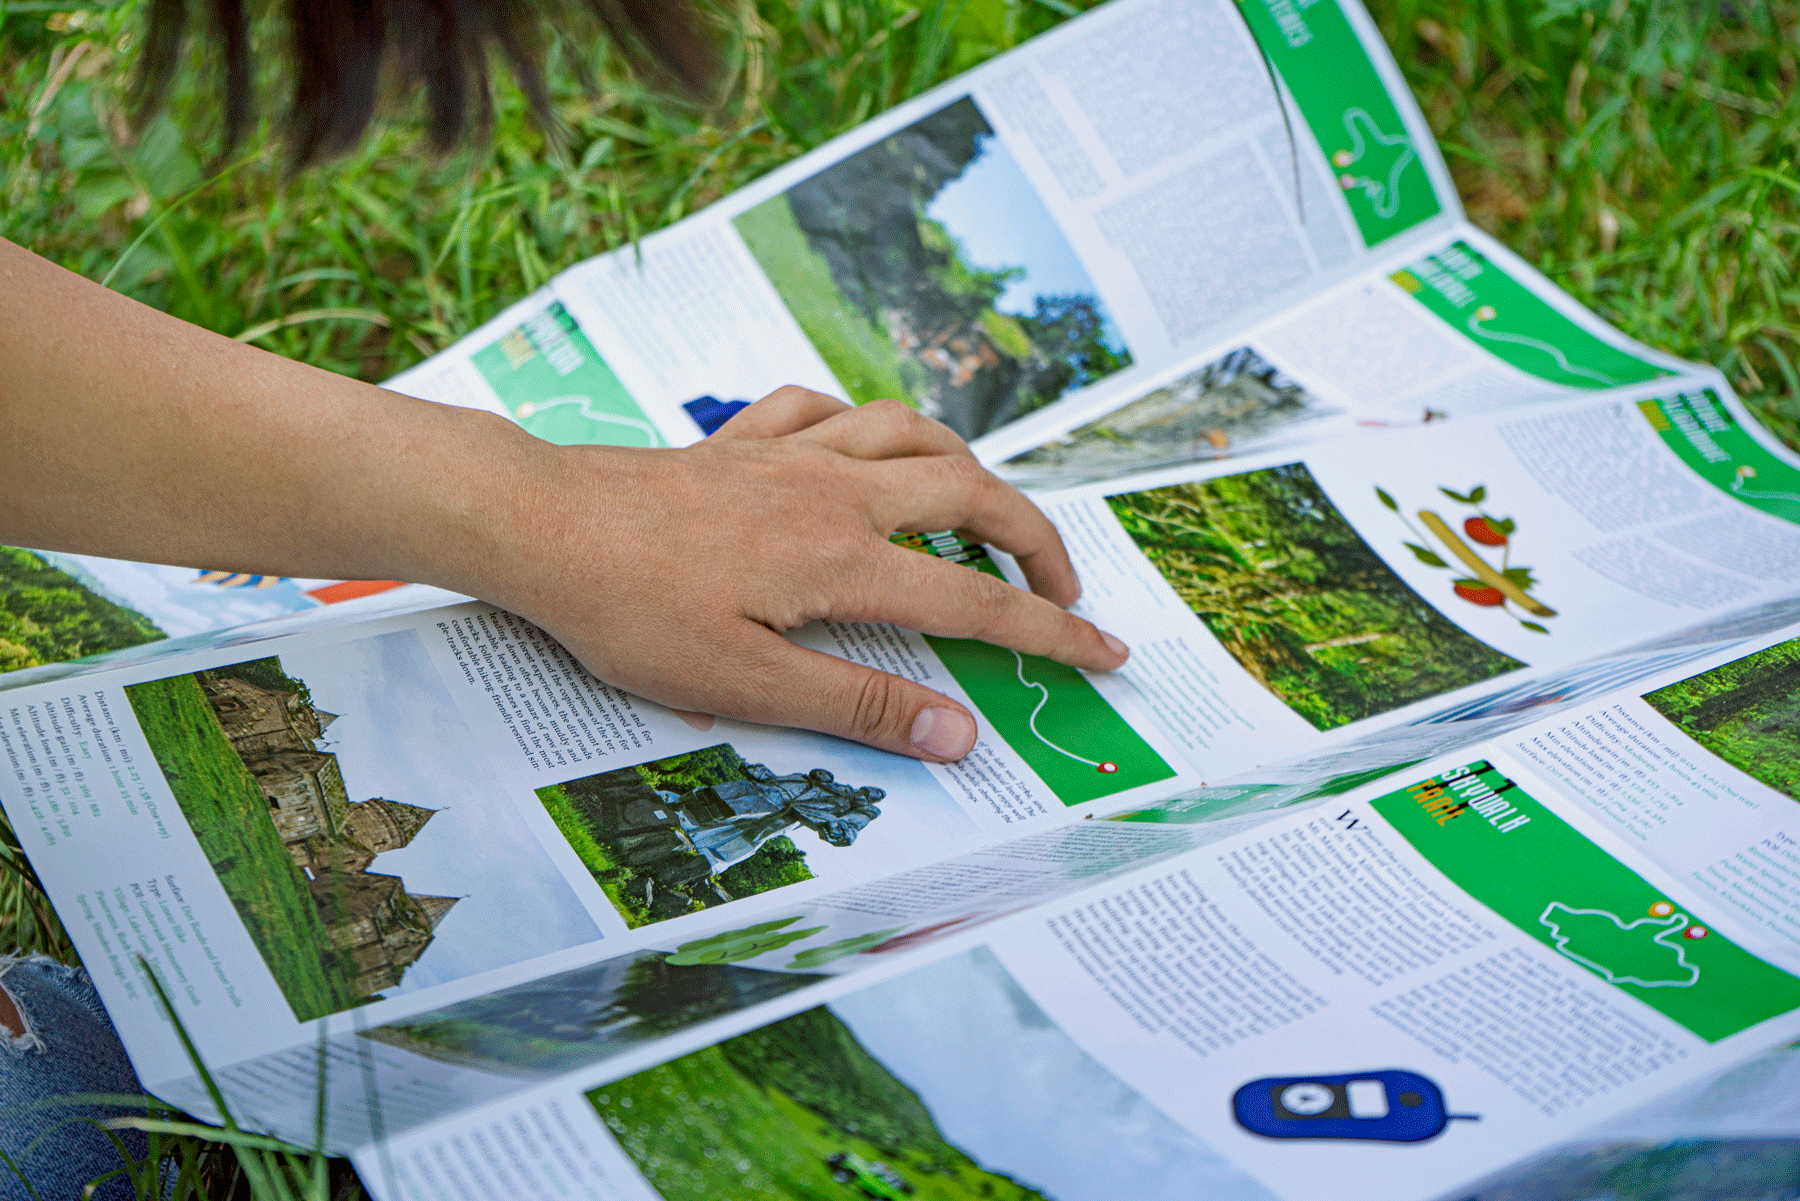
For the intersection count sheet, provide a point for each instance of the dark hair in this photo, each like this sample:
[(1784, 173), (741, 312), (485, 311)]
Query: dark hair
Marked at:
[(343, 51)]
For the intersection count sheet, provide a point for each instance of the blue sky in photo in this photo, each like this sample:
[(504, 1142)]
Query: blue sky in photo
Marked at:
[(996, 214), (400, 735), (1005, 1084)]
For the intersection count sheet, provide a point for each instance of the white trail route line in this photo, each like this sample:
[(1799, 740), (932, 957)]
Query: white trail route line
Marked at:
[(532, 408), (1486, 313), (1031, 721)]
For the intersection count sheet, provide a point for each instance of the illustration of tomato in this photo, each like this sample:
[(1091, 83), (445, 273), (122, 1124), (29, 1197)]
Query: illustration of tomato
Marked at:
[(1479, 529), (1480, 595)]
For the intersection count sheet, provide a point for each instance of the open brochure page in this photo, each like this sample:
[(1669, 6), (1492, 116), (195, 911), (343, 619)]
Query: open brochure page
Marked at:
[(1287, 602), (1403, 990), (354, 824), (1087, 207), (1464, 328)]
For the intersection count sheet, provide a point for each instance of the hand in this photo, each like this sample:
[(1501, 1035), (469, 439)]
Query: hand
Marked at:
[(674, 573)]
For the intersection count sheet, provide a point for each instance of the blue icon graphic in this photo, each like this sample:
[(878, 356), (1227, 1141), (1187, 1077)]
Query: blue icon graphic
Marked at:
[(1388, 1106)]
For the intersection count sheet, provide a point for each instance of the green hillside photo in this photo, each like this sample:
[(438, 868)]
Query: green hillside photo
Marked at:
[(1292, 591), (49, 616), (1747, 712), (795, 1110)]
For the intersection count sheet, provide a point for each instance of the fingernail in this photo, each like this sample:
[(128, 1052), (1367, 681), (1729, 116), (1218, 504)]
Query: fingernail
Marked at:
[(943, 733), (1114, 645)]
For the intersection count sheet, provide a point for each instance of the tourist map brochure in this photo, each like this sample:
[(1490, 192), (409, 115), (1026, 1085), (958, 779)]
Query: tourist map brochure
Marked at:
[(1443, 830)]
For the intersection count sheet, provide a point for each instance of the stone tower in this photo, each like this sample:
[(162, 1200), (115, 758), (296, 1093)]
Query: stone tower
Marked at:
[(383, 825)]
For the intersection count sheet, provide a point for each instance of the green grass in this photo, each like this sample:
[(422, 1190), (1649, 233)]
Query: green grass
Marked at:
[(230, 818), (1640, 154), (862, 357), (608, 873)]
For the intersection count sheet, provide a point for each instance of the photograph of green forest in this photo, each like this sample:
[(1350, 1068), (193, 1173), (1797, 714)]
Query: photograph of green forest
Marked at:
[(1747, 712), (1297, 597), (925, 268), (47, 615)]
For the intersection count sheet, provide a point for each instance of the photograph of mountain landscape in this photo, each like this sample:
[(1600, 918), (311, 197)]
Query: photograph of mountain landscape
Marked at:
[(948, 1082), (1747, 712), (364, 854), (1296, 596), (926, 268), (1209, 413)]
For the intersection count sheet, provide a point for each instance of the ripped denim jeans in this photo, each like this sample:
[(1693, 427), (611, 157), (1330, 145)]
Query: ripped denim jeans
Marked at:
[(67, 1046)]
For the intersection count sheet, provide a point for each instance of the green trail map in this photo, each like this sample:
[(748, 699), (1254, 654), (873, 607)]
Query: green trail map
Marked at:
[(1705, 436), (1320, 59), (558, 387), (1048, 713), (1514, 324), (1529, 866)]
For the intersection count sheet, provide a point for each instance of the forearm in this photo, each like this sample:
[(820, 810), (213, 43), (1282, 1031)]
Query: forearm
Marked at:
[(132, 434)]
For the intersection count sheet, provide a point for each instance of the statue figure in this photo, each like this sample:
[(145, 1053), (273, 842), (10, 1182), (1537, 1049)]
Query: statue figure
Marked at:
[(727, 822)]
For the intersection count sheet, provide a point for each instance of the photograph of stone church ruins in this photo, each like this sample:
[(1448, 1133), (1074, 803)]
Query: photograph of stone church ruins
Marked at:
[(333, 839), (247, 755)]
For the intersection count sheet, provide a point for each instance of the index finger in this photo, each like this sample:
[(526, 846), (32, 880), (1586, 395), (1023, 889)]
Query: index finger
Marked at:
[(954, 493), (932, 596)]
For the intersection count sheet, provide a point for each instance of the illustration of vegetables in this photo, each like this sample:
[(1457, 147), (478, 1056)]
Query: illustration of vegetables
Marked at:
[(1486, 585)]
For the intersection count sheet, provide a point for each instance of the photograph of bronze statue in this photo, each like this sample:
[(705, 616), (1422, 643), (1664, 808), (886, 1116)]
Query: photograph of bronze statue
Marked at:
[(696, 830)]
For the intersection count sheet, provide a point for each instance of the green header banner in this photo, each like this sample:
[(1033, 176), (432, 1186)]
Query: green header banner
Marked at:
[(1516, 857), (1483, 303), (1312, 46), (1704, 435), (558, 387)]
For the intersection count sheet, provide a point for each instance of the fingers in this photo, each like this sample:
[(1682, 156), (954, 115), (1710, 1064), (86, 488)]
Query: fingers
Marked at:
[(945, 493), (886, 429), (800, 687), (784, 411), (934, 597)]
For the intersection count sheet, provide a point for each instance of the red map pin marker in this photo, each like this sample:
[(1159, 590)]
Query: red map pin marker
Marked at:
[(1107, 769)]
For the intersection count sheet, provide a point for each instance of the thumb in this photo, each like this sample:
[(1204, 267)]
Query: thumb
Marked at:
[(816, 691)]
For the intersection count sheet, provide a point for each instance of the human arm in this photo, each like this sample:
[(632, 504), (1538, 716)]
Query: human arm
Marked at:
[(672, 573)]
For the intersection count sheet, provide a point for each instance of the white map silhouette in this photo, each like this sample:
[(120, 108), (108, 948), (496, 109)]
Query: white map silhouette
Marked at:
[(1384, 195), (1672, 926)]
